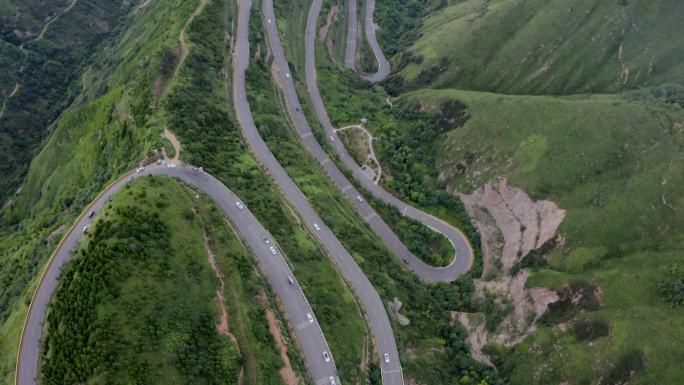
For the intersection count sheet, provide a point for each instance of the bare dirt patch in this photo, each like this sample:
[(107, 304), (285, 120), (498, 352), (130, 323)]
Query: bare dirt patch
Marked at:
[(219, 299), (511, 225), (287, 373), (171, 137), (525, 224), (359, 142), (324, 33), (55, 233)]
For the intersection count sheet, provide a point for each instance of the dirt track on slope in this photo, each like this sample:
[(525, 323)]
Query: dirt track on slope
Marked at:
[(287, 373)]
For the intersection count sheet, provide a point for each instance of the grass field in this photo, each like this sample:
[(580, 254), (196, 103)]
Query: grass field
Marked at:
[(616, 166), (144, 296), (542, 47)]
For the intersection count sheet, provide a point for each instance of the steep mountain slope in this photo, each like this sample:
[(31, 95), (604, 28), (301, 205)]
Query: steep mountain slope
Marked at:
[(577, 198), (546, 47), (45, 57), (137, 87), (181, 305), (91, 144)]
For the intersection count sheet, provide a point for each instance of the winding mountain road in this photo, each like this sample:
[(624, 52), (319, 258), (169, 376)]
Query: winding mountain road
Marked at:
[(352, 39), (426, 272), (309, 334), (368, 297)]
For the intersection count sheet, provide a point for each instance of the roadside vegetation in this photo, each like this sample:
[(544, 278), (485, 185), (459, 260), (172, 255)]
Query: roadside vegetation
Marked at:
[(431, 346), (108, 130), (140, 302), (212, 139), (612, 161)]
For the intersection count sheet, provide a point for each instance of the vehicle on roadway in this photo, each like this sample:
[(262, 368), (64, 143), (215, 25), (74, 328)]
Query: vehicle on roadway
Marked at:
[(359, 198), (85, 230), (290, 280), (265, 239), (309, 316), (331, 138), (386, 358), (287, 75), (316, 226), (332, 381), (239, 205), (91, 214), (326, 356), (273, 250)]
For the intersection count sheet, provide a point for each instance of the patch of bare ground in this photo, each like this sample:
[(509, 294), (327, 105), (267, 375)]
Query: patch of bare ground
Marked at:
[(511, 225), (55, 233), (524, 224), (359, 142), (171, 137), (222, 326), (324, 33), (287, 373)]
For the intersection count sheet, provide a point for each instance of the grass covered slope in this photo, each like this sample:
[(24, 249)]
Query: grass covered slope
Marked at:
[(616, 166), (140, 303), (113, 126), (543, 47)]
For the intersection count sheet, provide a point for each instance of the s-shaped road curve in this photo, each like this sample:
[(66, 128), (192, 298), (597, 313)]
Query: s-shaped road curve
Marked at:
[(463, 259), (369, 26), (310, 336), (426, 272), (364, 290)]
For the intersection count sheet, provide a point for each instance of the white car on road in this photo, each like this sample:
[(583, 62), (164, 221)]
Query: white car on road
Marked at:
[(273, 250), (386, 358), (359, 198), (326, 356), (309, 316), (317, 227), (239, 205)]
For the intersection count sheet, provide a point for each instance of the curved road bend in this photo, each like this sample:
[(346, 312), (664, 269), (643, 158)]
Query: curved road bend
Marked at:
[(352, 30), (423, 270), (309, 335), (368, 296), (369, 26)]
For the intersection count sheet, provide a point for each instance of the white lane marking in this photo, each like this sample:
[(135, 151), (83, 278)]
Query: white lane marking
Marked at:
[(308, 134), (303, 324), (391, 371), (370, 216), (347, 187)]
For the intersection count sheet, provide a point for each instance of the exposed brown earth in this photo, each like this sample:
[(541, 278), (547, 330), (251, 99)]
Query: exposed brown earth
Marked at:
[(222, 326), (171, 137), (525, 224), (287, 373), (324, 33), (511, 225)]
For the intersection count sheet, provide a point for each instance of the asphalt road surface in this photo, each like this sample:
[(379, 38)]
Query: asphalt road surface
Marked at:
[(291, 296), (463, 260), (352, 31), (352, 39), (370, 300)]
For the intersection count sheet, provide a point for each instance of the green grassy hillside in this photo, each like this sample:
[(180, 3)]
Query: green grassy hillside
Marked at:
[(143, 284), (106, 133), (48, 69), (546, 47), (617, 167)]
